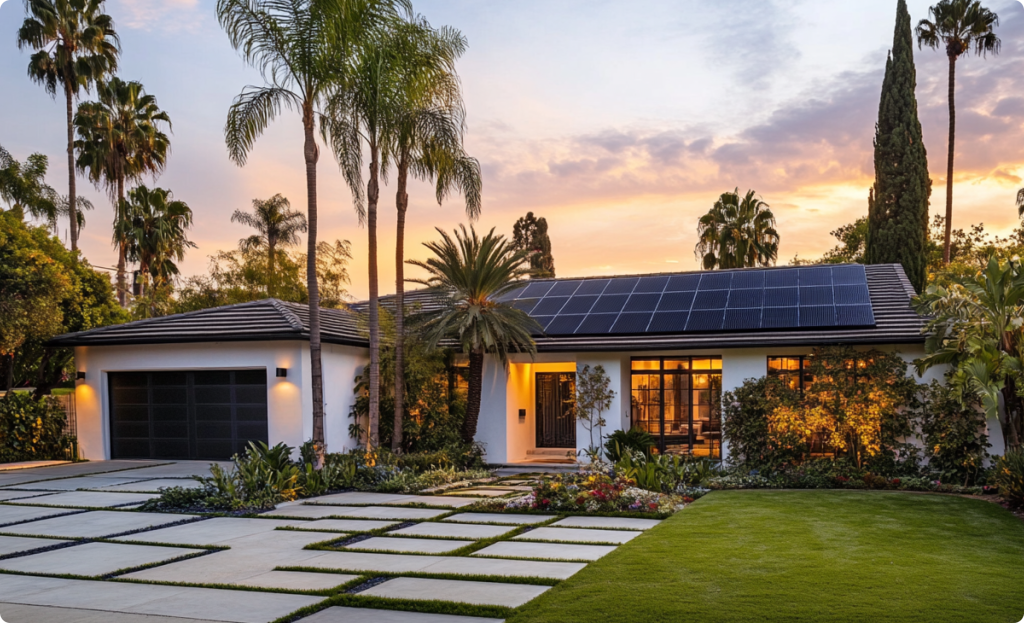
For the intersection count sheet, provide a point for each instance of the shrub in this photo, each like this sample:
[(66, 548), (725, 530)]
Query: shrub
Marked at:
[(1009, 477), (33, 430), (666, 473), (745, 424), (955, 442), (634, 440), (588, 491)]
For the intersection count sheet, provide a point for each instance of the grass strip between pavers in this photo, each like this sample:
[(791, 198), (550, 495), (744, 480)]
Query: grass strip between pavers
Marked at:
[(501, 579), (405, 605)]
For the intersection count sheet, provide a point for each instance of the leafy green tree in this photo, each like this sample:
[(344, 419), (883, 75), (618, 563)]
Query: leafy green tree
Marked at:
[(23, 186), (977, 328), (530, 233), (277, 224), (302, 49), (120, 140), (76, 46), (957, 25), (472, 274), (426, 138), (898, 202), (594, 396), (852, 239), (737, 233)]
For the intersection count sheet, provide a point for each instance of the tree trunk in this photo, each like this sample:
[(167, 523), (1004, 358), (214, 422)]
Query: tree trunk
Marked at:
[(402, 203), (122, 283), (312, 154), (949, 162), (270, 259), (72, 190), (1013, 415), (8, 369), (476, 381), (372, 194)]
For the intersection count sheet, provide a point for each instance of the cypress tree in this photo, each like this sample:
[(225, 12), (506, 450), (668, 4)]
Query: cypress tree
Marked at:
[(898, 202)]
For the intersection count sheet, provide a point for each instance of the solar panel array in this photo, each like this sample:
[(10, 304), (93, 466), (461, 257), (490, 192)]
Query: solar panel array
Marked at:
[(742, 300)]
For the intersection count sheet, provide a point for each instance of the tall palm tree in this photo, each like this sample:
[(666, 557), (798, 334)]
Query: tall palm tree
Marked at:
[(76, 46), (120, 140), (472, 274), (426, 137), (302, 49), (154, 229), (958, 25), (276, 223), (737, 233)]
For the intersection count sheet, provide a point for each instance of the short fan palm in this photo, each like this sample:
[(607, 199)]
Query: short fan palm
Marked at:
[(472, 274)]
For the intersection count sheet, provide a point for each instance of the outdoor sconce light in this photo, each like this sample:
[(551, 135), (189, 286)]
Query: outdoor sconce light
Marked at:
[(80, 375), (282, 373), (522, 415)]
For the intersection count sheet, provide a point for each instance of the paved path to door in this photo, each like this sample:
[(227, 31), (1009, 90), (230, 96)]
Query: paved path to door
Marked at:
[(74, 549)]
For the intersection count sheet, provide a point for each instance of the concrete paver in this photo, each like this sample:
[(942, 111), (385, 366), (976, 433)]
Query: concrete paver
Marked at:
[(95, 524), (339, 614), (11, 494), (478, 593), (297, 580), (150, 486), (359, 497), (345, 525), (579, 535), (15, 544), (545, 551), (208, 531), (453, 530), (449, 501), (73, 484), (483, 493), (419, 546), (20, 613), (307, 511), (403, 563), (512, 519), (178, 469), (95, 499), (386, 512), (93, 559), (10, 514), (612, 523)]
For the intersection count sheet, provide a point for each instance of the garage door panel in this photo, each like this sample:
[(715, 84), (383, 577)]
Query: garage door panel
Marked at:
[(251, 394), (186, 415), (213, 395)]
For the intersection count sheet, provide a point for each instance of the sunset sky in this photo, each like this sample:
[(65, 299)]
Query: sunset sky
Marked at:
[(620, 122)]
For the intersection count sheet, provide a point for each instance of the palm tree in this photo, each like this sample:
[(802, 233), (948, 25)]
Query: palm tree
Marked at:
[(120, 141), (154, 231), (737, 233), (76, 46), (302, 49), (958, 25), (276, 223), (472, 274), (23, 186), (426, 136)]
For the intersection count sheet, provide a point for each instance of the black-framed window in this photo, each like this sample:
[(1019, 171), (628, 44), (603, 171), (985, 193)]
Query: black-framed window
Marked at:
[(794, 370), (678, 401)]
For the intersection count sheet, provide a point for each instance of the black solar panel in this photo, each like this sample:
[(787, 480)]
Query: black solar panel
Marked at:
[(631, 323), (595, 324), (705, 320), (609, 303), (564, 288), (592, 286), (642, 303), (730, 300), (676, 301), (579, 305), (549, 305), (622, 285)]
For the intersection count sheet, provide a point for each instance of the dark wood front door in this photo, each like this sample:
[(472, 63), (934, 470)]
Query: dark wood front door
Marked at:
[(556, 415)]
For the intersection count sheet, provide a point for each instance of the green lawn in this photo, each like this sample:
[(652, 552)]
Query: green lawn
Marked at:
[(818, 556)]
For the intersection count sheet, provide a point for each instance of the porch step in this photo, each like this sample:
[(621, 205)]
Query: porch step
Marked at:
[(552, 452)]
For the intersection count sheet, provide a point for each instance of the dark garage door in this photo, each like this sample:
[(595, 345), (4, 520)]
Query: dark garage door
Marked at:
[(202, 414)]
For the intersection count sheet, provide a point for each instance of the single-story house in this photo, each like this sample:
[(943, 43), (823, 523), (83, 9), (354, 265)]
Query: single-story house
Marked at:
[(200, 385)]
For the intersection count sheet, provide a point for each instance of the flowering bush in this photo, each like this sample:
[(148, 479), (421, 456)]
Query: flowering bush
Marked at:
[(591, 491), (802, 479)]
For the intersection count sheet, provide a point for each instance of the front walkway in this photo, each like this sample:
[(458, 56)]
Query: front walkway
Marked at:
[(73, 549)]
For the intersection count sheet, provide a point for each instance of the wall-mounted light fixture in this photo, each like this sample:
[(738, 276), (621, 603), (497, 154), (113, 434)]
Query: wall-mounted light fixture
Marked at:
[(80, 375), (282, 373), (522, 415)]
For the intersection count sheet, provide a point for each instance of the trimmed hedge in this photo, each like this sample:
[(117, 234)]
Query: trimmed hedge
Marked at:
[(33, 430)]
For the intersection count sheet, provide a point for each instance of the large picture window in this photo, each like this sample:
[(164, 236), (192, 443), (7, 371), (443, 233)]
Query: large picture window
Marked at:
[(794, 371), (678, 401)]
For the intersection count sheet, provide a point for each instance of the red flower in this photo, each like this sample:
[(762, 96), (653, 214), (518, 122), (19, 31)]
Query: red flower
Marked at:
[(653, 506), (896, 481), (545, 502)]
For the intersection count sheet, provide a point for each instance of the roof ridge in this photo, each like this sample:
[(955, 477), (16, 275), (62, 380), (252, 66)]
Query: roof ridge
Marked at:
[(290, 317)]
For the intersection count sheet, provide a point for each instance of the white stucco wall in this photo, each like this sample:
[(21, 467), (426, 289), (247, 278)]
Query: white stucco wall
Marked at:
[(289, 402), (508, 440)]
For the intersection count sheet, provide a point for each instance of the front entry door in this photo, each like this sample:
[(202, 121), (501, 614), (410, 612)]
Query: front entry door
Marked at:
[(556, 415)]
